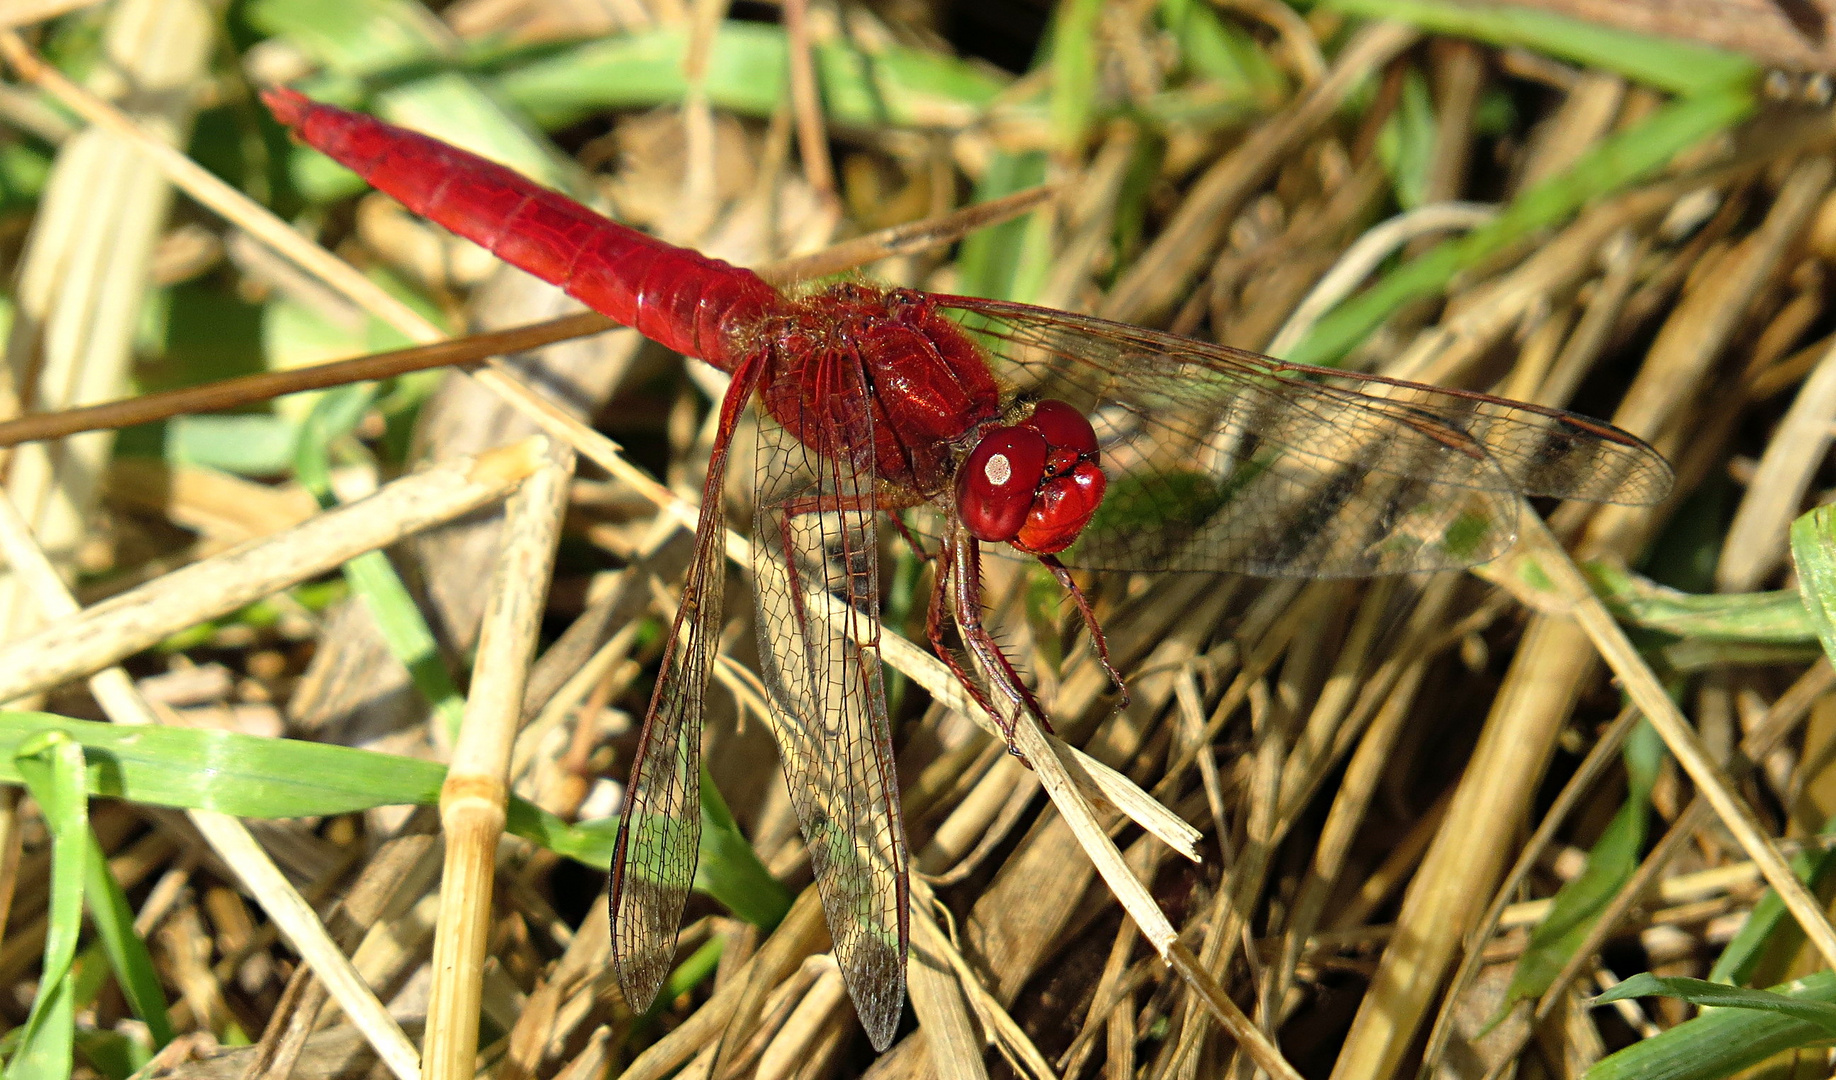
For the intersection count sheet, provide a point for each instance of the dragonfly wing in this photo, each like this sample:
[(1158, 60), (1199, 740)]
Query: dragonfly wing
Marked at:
[(815, 558), (659, 830), (1221, 459)]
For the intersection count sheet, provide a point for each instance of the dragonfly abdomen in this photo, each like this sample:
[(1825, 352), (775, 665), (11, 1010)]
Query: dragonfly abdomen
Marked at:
[(674, 296)]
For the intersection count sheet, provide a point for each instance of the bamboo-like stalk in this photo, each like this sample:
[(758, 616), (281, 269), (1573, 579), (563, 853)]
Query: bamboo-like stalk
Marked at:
[(122, 702), (141, 617), (473, 798)]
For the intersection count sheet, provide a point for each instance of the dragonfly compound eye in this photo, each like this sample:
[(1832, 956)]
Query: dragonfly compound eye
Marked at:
[(997, 482), (1063, 427)]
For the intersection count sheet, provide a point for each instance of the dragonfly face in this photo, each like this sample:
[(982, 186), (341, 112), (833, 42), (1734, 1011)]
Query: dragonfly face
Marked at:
[(1034, 485)]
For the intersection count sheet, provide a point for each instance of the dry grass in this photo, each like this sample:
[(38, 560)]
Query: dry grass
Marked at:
[(1319, 838)]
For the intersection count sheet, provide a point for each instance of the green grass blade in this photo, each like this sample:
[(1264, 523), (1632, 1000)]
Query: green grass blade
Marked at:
[(1008, 261), (1719, 1043), (1813, 551), (1611, 862), (729, 870), (243, 775), (248, 776), (1770, 930), (111, 1053), (1616, 162), (1680, 67), (746, 74), (371, 575), (51, 765), (127, 953), (1718, 995), (366, 42), (697, 969), (1772, 617), (1221, 54), (1406, 144), (1075, 51)]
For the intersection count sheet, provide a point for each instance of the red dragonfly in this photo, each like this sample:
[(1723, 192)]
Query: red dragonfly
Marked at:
[(1078, 441)]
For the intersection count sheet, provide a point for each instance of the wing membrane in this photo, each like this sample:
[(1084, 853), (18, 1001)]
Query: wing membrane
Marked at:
[(815, 557), (1221, 459), (659, 829)]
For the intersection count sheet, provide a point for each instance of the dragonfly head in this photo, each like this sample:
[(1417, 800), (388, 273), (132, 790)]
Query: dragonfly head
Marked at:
[(1034, 484)]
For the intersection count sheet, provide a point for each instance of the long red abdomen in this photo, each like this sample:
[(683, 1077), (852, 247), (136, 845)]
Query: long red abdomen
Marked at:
[(672, 295)]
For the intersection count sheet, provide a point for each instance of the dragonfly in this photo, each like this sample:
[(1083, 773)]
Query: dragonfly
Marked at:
[(986, 426)]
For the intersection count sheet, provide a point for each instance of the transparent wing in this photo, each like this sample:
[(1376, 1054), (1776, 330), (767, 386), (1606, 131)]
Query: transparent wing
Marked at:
[(659, 829), (1220, 459), (816, 565)]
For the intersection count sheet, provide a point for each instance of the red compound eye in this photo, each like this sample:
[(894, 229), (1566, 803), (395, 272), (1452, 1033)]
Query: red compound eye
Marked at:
[(997, 482), (1061, 510), (1063, 428)]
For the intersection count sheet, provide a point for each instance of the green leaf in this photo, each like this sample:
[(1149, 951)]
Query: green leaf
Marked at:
[(243, 775), (1220, 53), (127, 953), (371, 575), (111, 1053), (1075, 49), (366, 40), (23, 172), (248, 776), (697, 969), (729, 870), (746, 73), (354, 36), (1406, 144), (1610, 864), (247, 444), (1813, 550), (1721, 996), (1770, 929), (1721, 1042), (51, 765), (1778, 618), (1009, 261), (1665, 63)]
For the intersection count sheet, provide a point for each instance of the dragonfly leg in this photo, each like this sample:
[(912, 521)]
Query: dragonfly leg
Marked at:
[(936, 619), (911, 540), (966, 595), (1098, 642)]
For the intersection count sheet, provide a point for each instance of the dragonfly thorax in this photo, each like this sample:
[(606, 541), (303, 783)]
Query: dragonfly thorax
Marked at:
[(888, 383)]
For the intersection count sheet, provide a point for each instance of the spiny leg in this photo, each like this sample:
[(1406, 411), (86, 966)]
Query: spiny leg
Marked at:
[(936, 619), (966, 595), (1098, 642)]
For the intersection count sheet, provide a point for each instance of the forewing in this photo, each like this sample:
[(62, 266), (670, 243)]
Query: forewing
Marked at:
[(659, 829), (1220, 459), (816, 563)]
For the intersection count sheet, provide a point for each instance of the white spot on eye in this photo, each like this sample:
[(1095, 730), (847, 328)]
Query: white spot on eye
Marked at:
[(998, 470)]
